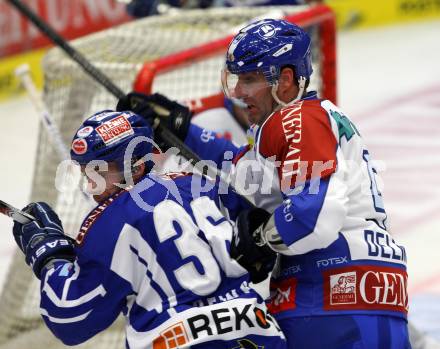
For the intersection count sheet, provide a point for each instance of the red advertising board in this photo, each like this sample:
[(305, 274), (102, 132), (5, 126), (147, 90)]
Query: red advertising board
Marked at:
[(70, 18)]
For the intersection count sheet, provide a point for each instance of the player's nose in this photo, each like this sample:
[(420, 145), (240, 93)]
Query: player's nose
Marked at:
[(240, 91)]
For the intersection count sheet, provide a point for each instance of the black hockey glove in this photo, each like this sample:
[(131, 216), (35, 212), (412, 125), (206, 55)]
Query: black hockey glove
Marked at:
[(43, 240), (176, 116), (247, 247)]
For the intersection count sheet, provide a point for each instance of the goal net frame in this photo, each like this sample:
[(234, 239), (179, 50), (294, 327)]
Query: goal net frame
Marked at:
[(320, 15)]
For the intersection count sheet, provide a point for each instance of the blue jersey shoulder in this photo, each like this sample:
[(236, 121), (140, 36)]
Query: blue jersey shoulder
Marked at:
[(101, 228)]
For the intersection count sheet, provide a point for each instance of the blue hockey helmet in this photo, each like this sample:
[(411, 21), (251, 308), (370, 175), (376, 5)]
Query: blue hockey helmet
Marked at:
[(266, 46), (106, 136)]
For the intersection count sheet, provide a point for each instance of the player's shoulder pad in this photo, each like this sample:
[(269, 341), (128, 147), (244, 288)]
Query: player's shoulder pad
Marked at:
[(292, 124), (299, 136), (103, 213), (154, 188), (134, 206)]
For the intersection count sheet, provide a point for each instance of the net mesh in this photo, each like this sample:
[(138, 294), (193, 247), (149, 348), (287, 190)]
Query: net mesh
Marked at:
[(70, 96)]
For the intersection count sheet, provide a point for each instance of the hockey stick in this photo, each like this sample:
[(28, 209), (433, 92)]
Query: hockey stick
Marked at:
[(23, 73), (99, 76), (16, 214)]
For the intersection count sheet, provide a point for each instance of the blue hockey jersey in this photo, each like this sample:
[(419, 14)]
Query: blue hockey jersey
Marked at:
[(159, 254)]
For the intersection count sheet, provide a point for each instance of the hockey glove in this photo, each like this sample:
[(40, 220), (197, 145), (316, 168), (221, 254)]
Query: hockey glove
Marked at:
[(247, 246), (43, 240), (175, 116)]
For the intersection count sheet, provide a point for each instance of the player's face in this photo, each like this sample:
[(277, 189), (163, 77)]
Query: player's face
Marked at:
[(102, 182), (254, 90)]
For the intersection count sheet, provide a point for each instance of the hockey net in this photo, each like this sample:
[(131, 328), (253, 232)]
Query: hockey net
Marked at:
[(178, 54)]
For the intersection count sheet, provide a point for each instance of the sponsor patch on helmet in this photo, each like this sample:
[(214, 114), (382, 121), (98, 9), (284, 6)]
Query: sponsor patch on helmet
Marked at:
[(115, 129), (266, 30), (79, 146), (85, 131)]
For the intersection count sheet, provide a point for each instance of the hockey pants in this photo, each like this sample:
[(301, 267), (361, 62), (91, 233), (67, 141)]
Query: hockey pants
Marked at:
[(346, 332)]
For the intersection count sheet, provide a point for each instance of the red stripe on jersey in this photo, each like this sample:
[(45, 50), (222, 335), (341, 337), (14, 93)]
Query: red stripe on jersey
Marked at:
[(301, 138)]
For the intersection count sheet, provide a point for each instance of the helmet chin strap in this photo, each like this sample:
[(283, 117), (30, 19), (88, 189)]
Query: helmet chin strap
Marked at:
[(281, 104)]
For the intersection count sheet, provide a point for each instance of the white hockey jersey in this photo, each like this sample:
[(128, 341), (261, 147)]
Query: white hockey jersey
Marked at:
[(310, 167)]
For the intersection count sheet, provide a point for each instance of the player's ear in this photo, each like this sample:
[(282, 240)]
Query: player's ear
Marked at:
[(287, 78), (286, 84)]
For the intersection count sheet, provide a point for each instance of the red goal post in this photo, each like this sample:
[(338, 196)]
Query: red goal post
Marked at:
[(320, 16)]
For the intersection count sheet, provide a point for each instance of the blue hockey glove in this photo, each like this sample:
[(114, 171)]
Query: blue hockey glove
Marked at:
[(43, 240), (247, 247), (176, 116)]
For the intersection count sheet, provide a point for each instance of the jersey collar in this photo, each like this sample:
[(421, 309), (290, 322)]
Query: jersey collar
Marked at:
[(310, 96)]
